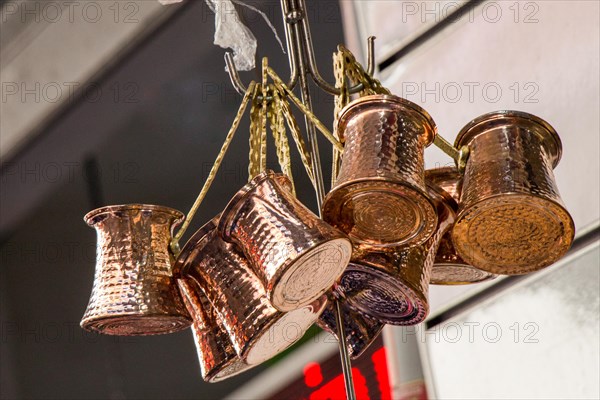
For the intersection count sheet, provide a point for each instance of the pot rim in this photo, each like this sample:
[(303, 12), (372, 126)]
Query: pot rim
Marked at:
[(378, 99), (90, 217), (181, 265), (237, 199), (549, 137)]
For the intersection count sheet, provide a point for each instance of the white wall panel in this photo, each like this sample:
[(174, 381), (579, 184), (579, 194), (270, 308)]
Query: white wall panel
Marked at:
[(540, 57)]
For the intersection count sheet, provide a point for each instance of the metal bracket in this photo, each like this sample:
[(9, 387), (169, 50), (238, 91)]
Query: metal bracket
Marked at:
[(299, 44)]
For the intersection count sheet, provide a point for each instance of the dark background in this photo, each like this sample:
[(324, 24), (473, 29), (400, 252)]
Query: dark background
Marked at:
[(150, 137)]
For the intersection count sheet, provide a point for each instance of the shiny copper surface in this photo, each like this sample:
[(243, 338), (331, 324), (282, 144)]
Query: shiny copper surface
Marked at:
[(511, 219), (296, 255), (134, 292), (379, 198), (448, 268), (360, 331), (217, 357), (257, 330), (393, 286)]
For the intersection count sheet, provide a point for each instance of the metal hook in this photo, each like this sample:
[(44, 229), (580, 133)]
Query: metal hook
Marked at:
[(299, 39), (289, 18), (234, 75), (304, 41)]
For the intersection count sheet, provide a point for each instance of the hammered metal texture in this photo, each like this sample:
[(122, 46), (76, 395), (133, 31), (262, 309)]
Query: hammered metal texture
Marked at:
[(379, 198), (217, 357), (134, 291), (448, 268), (511, 219), (257, 330), (360, 331), (296, 255), (392, 287), (445, 182)]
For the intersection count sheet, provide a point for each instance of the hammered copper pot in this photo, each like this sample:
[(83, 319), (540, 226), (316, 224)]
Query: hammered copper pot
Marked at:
[(134, 291), (511, 219), (393, 286), (379, 198), (217, 357), (448, 268), (296, 255), (360, 331), (257, 330)]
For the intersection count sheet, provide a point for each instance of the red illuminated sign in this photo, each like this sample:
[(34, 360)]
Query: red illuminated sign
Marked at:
[(325, 381)]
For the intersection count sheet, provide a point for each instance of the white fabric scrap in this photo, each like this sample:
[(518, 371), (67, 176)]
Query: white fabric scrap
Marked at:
[(231, 33)]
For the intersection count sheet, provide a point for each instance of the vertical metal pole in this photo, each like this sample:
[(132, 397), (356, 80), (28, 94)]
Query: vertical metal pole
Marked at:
[(344, 356), (293, 14)]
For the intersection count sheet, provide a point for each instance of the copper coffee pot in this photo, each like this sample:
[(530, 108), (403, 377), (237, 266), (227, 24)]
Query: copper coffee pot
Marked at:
[(379, 198), (256, 329), (449, 268), (511, 218), (134, 290), (296, 255)]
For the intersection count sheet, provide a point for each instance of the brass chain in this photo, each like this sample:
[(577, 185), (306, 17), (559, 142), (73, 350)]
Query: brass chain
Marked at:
[(297, 136), (340, 101), (357, 74), (282, 146), (302, 107), (263, 116), (255, 154)]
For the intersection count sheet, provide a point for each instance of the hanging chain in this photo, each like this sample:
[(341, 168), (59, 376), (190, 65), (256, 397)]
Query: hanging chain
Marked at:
[(340, 101), (282, 146), (345, 65), (309, 114), (268, 103), (254, 156), (263, 116), (357, 73)]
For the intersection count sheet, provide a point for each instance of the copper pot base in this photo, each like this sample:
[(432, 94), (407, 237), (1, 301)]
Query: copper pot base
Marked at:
[(380, 213), (286, 331), (513, 234), (458, 274), (137, 325), (375, 294), (317, 265)]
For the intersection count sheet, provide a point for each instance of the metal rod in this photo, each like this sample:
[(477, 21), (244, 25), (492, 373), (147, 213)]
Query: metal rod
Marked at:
[(306, 52), (345, 357), (234, 75), (290, 40), (310, 56), (302, 63), (292, 52), (296, 17), (306, 99), (446, 147)]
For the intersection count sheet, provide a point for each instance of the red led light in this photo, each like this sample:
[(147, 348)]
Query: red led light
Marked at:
[(334, 388), (312, 374), (380, 366)]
